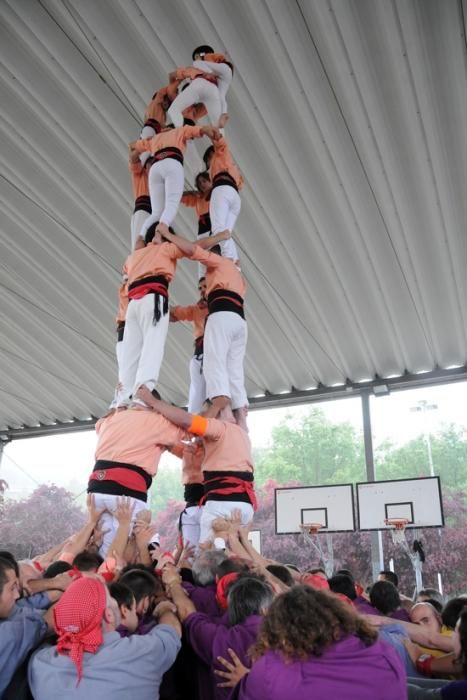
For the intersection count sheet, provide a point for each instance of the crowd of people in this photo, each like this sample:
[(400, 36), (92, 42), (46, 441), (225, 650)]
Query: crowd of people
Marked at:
[(106, 613), (207, 623)]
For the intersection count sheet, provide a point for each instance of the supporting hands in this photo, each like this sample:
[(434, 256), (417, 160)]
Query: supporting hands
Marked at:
[(94, 513), (234, 671), (124, 510), (212, 132)]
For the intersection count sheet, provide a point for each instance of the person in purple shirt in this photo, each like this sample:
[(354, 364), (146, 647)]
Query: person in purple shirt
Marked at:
[(312, 645), (248, 599), (385, 597)]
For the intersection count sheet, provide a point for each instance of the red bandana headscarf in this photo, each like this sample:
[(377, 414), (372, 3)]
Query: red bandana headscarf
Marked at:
[(221, 588), (315, 581), (78, 620)]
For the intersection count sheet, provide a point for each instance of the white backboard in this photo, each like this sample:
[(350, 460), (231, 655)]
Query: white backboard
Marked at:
[(418, 500), (255, 538), (332, 506)]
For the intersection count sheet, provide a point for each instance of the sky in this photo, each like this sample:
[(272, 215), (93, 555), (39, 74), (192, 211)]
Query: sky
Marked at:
[(67, 460)]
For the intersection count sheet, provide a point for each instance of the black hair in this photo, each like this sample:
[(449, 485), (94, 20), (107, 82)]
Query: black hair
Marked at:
[(247, 596), (282, 573), (231, 566), (204, 48), (345, 572), (58, 567), (216, 249), (188, 122), (122, 594), (294, 567), (204, 174), (206, 155), (451, 611), (390, 576), (316, 570), (4, 554), (151, 232), (87, 561), (141, 582), (341, 583), (6, 564), (384, 596), (435, 603), (463, 641), (201, 279), (156, 394)]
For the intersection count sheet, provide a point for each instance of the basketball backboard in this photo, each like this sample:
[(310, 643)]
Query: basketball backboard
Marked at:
[(417, 500), (331, 506), (255, 538)]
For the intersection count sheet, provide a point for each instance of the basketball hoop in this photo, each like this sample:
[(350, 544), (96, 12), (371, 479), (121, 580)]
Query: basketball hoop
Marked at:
[(397, 526), (311, 528)]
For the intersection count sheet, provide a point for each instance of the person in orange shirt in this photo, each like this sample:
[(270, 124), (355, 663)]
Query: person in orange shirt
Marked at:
[(138, 165), (129, 446), (199, 200), (228, 469), (226, 332), (197, 314), (155, 117), (150, 271), (166, 175), (225, 203), (207, 60), (192, 480), (202, 88)]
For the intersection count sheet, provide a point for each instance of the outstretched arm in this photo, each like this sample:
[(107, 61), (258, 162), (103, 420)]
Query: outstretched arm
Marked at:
[(211, 241), (174, 414)]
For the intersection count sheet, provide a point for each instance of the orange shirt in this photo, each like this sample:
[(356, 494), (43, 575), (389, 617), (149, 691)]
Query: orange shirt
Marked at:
[(153, 260), (136, 436), (222, 161), (196, 314), (221, 273), (173, 138), (198, 201), (139, 176), (227, 447), (193, 457), (154, 109)]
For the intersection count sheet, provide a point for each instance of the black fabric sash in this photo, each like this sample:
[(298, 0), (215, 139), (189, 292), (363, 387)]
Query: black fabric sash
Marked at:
[(143, 203), (168, 152), (225, 300), (223, 178)]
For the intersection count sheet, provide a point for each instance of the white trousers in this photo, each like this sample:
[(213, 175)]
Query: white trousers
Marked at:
[(143, 346), (108, 521), (137, 224), (189, 521), (221, 509), (224, 208), (198, 90), (224, 78), (197, 394), (225, 339), (118, 353), (166, 181)]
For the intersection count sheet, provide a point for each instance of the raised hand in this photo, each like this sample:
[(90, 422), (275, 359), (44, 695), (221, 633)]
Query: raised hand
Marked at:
[(124, 510), (94, 513)]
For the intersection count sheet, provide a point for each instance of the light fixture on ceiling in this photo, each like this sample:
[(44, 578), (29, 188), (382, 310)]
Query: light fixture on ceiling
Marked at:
[(381, 390)]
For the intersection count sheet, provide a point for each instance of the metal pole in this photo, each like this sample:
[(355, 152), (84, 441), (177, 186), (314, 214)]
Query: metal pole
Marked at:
[(377, 554)]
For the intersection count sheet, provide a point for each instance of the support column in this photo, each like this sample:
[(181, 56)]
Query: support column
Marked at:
[(377, 556)]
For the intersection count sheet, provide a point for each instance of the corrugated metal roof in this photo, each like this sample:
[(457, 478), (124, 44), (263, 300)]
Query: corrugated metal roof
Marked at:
[(348, 122)]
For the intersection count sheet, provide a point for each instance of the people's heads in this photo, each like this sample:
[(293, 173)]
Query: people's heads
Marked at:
[(460, 640), (126, 604), (144, 586), (207, 156), (282, 573), (153, 236), (216, 249), (317, 571), (248, 595), (203, 182), (9, 587), (452, 610), (5, 554), (384, 596), (303, 622), (81, 616), (390, 576), (200, 51), (202, 288), (341, 583), (206, 565), (428, 595), (425, 614), (58, 567), (88, 561)]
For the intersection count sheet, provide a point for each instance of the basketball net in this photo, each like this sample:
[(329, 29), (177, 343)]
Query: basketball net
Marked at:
[(398, 526), (311, 532)]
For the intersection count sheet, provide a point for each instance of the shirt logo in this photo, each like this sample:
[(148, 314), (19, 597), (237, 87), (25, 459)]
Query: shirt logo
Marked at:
[(101, 474)]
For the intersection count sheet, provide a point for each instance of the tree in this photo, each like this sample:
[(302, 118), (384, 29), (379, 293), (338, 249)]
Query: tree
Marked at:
[(313, 451), (32, 526)]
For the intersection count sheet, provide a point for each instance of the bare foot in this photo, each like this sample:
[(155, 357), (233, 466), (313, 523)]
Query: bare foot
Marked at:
[(162, 229)]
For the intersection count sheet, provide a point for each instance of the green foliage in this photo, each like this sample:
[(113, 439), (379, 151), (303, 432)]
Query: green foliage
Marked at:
[(166, 487), (313, 451)]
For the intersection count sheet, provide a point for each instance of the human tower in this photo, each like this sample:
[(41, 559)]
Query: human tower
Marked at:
[(212, 437)]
